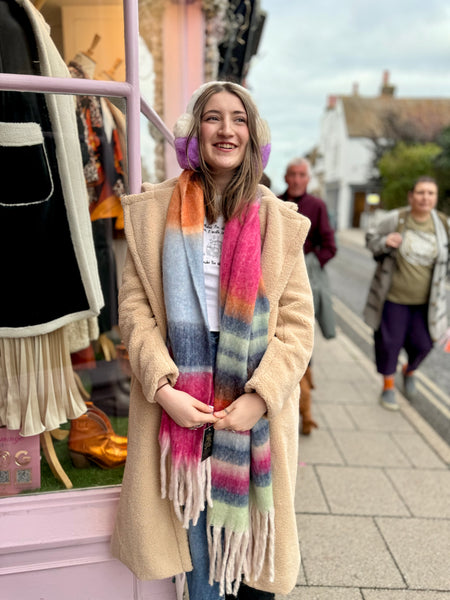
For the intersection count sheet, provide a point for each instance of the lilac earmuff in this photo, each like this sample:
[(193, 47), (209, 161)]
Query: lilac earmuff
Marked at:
[(188, 157)]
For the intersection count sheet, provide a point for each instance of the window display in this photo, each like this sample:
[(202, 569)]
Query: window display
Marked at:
[(64, 378)]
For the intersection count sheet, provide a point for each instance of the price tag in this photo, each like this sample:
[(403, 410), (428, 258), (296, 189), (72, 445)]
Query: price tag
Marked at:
[(208, 436)]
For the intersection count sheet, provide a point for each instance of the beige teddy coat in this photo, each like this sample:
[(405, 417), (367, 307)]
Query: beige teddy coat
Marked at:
[(148, 538)]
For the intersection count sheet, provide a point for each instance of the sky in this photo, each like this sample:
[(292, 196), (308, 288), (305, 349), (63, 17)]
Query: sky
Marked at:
[(311, 49)]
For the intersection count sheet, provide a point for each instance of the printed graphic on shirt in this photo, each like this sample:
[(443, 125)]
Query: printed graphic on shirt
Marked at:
[(212, 250), (213, 247), (419, 248)]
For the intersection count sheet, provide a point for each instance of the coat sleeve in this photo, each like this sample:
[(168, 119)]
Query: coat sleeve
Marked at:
[(448, 240), (149, 356), (289, 351), (376, 236)]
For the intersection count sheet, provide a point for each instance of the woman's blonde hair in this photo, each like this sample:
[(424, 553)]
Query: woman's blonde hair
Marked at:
[(243, 185)]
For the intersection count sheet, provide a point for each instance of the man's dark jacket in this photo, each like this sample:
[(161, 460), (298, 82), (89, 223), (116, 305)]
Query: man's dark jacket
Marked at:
[(320, 239)]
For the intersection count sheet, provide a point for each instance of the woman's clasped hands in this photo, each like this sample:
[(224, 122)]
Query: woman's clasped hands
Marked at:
[(187, 411), (242, 414)]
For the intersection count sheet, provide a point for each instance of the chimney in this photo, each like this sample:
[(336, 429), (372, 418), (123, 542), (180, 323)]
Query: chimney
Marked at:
[(355, 89), (331, 103), (387, 89)]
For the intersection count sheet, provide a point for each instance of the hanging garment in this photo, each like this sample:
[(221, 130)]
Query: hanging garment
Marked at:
[(104, 177), (103, 169), (50, 277), (49, 266)]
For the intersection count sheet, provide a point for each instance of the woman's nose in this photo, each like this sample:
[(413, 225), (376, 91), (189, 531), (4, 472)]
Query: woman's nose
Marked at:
[(225, 127)]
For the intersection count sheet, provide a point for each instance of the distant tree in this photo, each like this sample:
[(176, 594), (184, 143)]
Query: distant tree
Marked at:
[(401, 166), (441, 165), (394, 129)]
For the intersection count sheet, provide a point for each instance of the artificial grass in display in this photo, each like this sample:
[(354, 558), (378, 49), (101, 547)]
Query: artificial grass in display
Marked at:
[(92, 476)]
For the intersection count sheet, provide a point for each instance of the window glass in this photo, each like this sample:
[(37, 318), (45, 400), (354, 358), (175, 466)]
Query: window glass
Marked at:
[(92, 32), (64, 373)]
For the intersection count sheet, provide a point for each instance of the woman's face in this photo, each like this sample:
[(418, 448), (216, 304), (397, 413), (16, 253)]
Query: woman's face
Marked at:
[(224, 134), (423, 198)]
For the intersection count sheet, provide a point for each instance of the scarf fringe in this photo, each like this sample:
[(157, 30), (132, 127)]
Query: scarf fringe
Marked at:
[(263, 542), (236, 555), (228, 558), (189, 487)]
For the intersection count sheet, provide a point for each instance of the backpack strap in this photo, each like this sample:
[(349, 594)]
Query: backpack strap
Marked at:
[(402, 213), (443, 217)]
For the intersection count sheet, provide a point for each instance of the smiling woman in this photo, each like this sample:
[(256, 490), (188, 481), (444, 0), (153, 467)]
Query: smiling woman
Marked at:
[(246, 175), (207, 251)]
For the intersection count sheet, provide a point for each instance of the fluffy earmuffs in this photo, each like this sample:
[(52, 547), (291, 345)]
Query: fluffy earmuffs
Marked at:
[(188, 154)]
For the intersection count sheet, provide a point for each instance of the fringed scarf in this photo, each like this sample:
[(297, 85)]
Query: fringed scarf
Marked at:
[(236, 481)]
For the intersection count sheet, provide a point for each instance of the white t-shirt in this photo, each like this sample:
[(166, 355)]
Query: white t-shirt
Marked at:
[(212, 250)]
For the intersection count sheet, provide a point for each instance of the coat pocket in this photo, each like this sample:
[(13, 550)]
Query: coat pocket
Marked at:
[(27, 176)]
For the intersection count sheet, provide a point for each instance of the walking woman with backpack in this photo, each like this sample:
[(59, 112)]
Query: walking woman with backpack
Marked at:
[(406, 304)]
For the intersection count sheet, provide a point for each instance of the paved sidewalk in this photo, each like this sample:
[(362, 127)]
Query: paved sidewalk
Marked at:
[(355, 237), (373, 492)]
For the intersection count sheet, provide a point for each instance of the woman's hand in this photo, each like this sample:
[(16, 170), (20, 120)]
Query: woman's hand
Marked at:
[(393, 240), (242, 414), (184, 409)]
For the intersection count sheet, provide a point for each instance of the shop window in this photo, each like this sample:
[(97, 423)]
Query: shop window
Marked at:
[(63, 236), (64, 373)]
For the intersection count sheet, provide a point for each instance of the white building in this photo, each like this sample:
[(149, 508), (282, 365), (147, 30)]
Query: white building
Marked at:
[(345, 154)]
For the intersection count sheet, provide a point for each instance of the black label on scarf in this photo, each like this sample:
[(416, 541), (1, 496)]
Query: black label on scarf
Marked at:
[(208, 436)]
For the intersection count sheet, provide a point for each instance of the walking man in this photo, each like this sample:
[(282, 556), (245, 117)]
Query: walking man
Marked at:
[(319, 248)]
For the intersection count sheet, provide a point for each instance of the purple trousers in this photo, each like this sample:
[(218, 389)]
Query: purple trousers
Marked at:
[(402, 326)]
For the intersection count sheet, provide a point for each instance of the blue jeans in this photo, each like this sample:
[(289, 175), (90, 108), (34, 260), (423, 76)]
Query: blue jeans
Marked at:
[(197, 579)]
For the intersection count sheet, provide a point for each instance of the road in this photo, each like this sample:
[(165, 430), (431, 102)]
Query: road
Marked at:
[(350, 273)]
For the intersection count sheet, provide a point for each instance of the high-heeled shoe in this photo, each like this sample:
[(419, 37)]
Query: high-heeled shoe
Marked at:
[(90, 442)]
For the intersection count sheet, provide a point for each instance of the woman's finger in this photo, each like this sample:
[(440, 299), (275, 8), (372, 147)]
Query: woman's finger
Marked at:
[(202, 407)]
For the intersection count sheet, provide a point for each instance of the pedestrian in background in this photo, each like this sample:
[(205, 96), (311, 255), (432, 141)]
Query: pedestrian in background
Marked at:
[(216, 312), (320, 247), (406, 304)]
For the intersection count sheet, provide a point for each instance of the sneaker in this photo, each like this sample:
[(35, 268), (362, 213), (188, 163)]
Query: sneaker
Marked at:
[(388, 400), (409, 386)]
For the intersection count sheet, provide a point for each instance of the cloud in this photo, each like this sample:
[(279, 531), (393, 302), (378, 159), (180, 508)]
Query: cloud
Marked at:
[(311, 50)]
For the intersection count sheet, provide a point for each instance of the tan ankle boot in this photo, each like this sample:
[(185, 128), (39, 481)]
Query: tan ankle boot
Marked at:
[(90, 440), (306, 385), (120, 440)]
